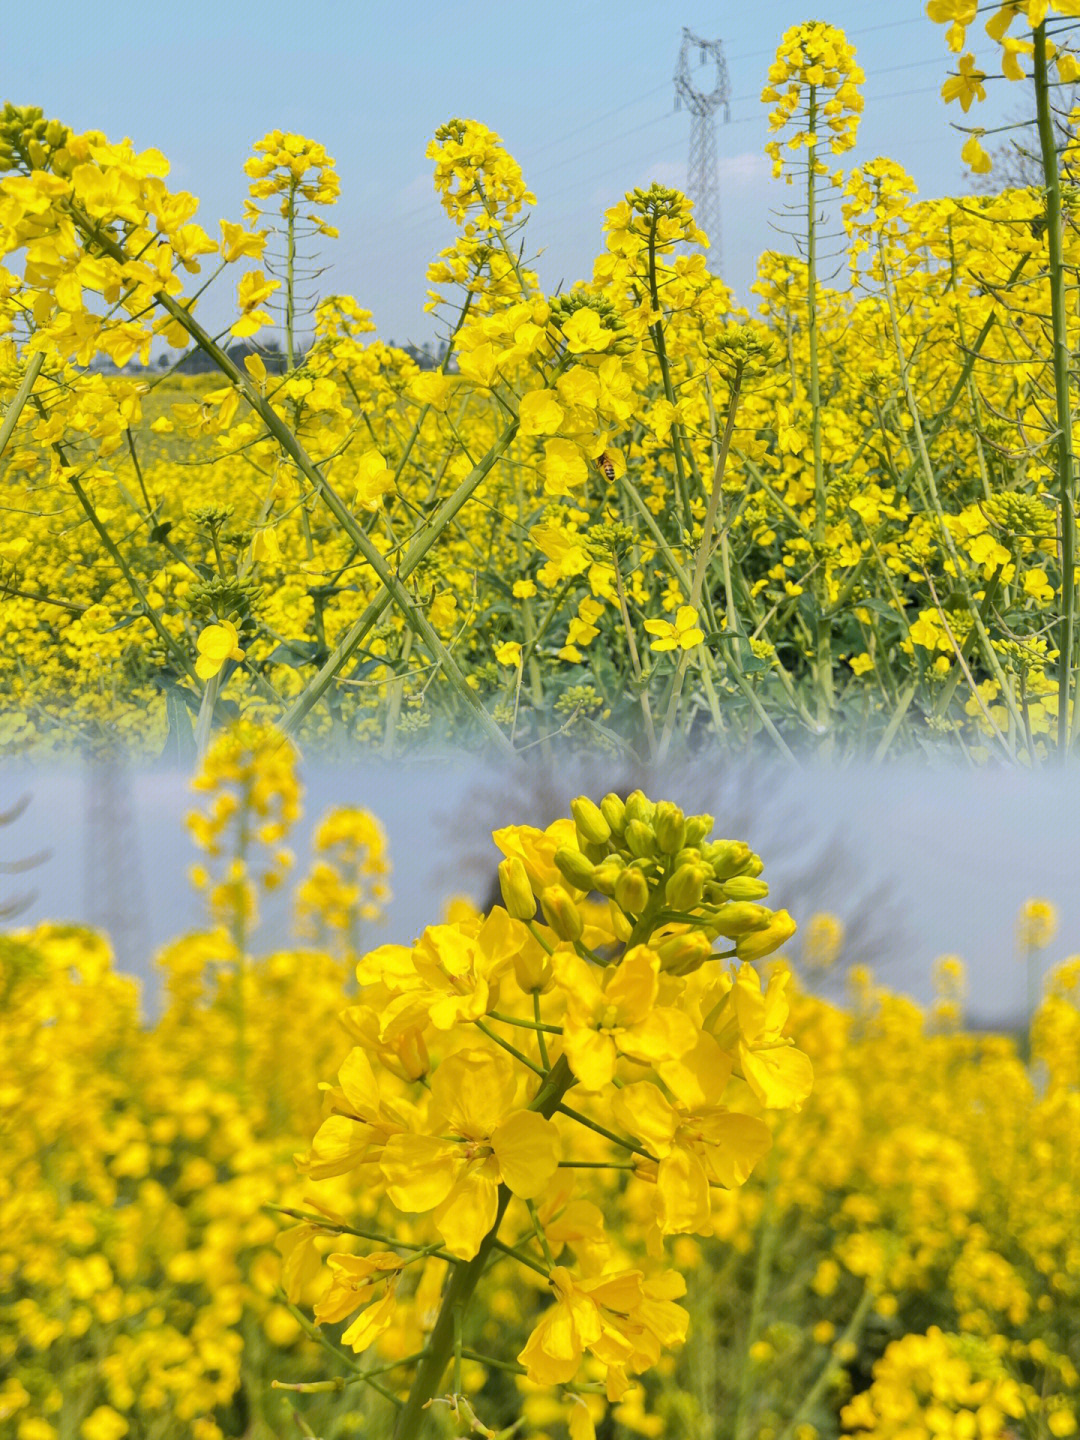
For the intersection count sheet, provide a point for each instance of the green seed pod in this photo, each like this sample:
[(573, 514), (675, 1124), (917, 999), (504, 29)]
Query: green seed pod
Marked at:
[(561, 913), (614, 812), (575, 868), (683, 954), (739, 917), (589, 819), (745, 887), (727, 857), (640, 840), (517, 893), (632, 892), (683, 890), (669, 826)]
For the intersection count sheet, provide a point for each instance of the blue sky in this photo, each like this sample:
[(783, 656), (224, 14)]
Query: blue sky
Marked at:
[(954, 853), (581, 93)]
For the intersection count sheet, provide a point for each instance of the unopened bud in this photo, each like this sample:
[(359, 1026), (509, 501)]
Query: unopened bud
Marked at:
[(632, 891), (763, 942), (727, 857), (575, 868), (697, 828), (639, 839), (614, 812), (590, 822), (532, 967), (739, 917), (561, 913), (683, 890), (745, 887), (639, 807), (517, 893), (619, 923), (606, 875), (683, 954), (754, 866), (669, 827)]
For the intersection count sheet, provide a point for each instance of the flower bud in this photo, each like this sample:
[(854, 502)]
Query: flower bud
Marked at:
[(697, 827), (614, 812), (639, 839), (739, 917), (590, 822), (575, 868), (561, 913), (669, 827), (532, 967), (763, 942), (683, 954), (745, 887), (606, 875), (632, 891), (727, 857), (517, 893), (683, 890), (689, 855), (754, 866), (619, 923), (639, 807)]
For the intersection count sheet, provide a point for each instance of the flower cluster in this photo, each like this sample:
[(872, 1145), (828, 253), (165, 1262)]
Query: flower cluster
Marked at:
[(813, 84), (603, 966)]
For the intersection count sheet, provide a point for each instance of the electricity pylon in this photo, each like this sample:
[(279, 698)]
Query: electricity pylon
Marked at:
[(703, 178)]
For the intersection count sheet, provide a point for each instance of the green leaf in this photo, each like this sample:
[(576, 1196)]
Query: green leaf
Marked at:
[(179, 748)]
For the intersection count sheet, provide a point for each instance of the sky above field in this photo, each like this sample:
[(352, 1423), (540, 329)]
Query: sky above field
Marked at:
[(581, 93), (917, 863)]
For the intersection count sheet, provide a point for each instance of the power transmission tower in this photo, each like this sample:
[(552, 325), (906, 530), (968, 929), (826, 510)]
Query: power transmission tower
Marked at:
[(703, 179), (112, 875)]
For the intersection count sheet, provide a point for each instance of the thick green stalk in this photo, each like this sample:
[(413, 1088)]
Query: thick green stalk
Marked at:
[(15, 409), (290, 280), (464, 1281), (290, 444), (421, 544), (704, 554), (823, 677), (1063, 441)]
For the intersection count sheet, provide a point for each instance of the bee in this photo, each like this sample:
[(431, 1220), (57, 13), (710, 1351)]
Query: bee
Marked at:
[(606, 464)]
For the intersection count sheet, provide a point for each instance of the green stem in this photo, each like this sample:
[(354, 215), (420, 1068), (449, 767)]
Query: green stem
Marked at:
[(823, 677), (704, 553), (15, 409), (290, 444), (1063, 440), (463, 1282), (421, 544)]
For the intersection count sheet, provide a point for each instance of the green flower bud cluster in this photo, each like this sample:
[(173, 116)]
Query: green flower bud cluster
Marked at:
[(744, 351), (563, 306), (27, 139), (1021, 515), (670, 885), (210, 517), (223, 599)]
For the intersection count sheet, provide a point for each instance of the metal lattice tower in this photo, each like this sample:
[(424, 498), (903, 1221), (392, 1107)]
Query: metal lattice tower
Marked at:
[(703, 178)]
